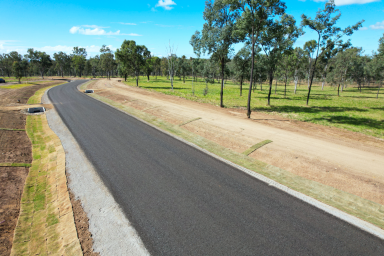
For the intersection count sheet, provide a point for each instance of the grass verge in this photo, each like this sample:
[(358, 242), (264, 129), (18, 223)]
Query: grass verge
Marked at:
[(9, 129), (16, 86), (359, 207), (45, 225)]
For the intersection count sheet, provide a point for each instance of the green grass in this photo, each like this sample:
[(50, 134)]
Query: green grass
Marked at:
[(354, 111), (14, 79), (16, 86), (256, 146), (9, 129), (15, 165)]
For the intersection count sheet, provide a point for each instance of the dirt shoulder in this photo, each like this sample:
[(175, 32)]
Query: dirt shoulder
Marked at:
[(349, 161)]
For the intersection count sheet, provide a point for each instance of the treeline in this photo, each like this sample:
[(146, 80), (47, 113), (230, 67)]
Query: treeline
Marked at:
[(268, 55)]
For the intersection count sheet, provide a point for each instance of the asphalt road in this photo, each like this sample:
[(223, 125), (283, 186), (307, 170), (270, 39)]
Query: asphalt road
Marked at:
[(184, 202)]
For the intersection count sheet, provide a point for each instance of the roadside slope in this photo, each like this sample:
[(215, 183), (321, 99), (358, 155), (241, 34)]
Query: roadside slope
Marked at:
[(46, 224)]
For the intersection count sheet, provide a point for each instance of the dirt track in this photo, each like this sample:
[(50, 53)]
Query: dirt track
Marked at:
[(345, 160)]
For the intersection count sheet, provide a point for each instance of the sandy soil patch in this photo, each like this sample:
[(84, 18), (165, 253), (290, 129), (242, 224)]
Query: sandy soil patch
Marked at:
[(346, 160)]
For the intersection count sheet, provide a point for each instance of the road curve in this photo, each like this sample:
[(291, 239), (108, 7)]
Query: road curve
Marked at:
[(184, 202)]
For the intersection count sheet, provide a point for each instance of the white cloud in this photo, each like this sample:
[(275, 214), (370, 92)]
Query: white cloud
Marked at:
[(378, 25), (363, 28), (133, 24), (166, 4), (347, 2), (96, 31)]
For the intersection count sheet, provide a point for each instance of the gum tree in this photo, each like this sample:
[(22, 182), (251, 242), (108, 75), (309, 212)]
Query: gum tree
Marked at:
[(216, 37), (276, 41), (131, 55), (324, 24), (42, 60), (242, 61), (255, 18), (79, 56)]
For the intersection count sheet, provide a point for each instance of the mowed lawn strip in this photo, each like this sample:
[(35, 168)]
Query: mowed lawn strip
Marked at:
[(46, 224), (359, 207), (354, 111)]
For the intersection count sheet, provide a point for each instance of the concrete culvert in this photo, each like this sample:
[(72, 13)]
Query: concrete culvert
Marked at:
[(36, 110), (88, 91)]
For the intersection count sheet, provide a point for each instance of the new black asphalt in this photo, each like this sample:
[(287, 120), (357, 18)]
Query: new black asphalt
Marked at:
[(184, 202)]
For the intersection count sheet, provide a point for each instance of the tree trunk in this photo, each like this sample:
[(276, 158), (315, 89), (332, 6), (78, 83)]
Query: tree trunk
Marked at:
[(276, 86), (251, 79), (285, 86), (241, 86), (338, 90), (270, 89), (125, 77), (222, 82), (377, 96)]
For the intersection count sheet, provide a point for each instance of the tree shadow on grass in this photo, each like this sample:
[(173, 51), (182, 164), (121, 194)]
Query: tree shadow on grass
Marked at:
[(360, 121), (164, 87), (311, 110)]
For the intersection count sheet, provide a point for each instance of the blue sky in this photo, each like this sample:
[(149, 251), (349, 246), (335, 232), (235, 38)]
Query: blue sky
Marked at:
[(53, 26)]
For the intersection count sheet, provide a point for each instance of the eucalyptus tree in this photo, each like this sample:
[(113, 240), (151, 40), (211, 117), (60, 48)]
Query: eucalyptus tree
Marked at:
[(376, 67), (341, 65), (328, 35), (255, 17), (217, 35), (357, 67), (310, 50), (62, 61), (156, 64), (172, 62), (208, 73), (131, 55), (287, 66), (147, 62), (107, 60), (17, 70), (242, 61), (7, 60), (276, 40), (164, 67), (381, 47), (94, 61), (79, 56), (42, 60)]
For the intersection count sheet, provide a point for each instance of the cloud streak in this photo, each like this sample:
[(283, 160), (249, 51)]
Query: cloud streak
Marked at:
[(93, 30), (166, 4), (378, 25)]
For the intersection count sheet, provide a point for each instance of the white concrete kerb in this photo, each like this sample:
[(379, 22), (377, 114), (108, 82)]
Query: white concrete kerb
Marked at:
[(363, 225)]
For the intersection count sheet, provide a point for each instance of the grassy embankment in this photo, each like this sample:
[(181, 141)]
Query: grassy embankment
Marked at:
[(352, 204), (45, 224), (23, 79), (354, 111), (16, 86)]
